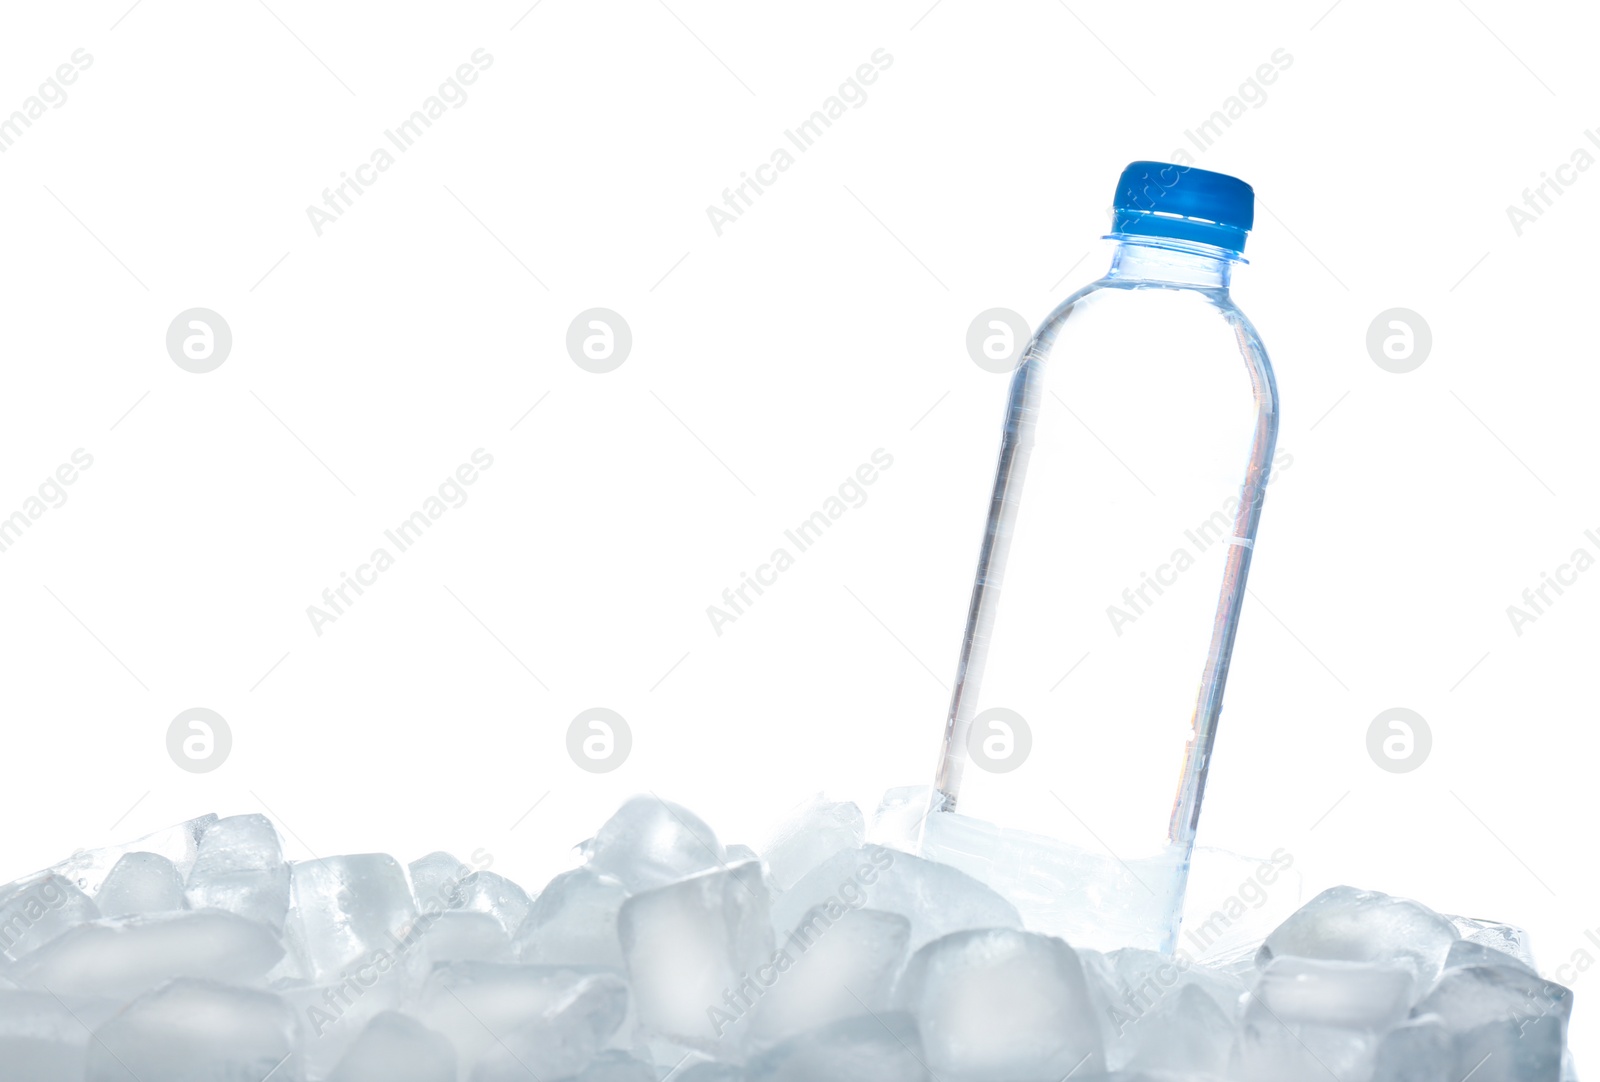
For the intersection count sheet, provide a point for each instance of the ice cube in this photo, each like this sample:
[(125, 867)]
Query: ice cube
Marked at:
[(936, 899), (867, 1048), (36, 910), (239, 867), (1309, 1015), (462, 936), (486, 892), (434, 878), (549, 1020), (1144, 977), (1131, 987), (347, 909), (334, 1016), (712, 1072), (1465, 952), (736, 853), (897, 820), (810, 835), (196, 1031), (573, 922), (1505, 1023), (140, 883), (1417, 1050), (616, 1067), (1350, 925), (698, 952), (124, 956), (44, 1037), (839, 964), (89, 868), (999, 1003), (395, 1048), (1507, 938), (1186, 1030), (650, 843)]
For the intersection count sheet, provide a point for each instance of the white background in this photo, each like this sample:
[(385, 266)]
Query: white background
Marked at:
[(767, 364)]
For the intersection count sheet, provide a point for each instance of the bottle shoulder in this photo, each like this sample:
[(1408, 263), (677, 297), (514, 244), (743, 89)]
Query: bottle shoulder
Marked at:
[(1142, 304), (1151, 332)]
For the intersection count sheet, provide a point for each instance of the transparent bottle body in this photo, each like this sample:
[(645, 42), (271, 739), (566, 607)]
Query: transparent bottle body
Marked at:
[(1138, 440)]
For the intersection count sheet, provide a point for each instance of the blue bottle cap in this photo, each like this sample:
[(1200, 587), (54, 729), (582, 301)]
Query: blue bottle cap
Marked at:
[(1180, 202)]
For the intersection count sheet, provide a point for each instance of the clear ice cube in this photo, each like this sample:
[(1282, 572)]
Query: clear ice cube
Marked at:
[(462, 936), (936, 899), (44, 1037), (196, 1031), (867, 1048), (1465, 952), (573, 921), (839, 964), (616, 1067), (697, 953), (1505, 1023), (503, 1019), (650, 842), (434, 879), (999, 1003), (141, 883), (1309, 1015), (125, 956), (239, 867), (1507, 938), (36, 910), (346, 909), (1185, 1031), (1350, 925), (712, 1072), (810, 835), (88, 868), (486, 892), (1417, 1050), (395, 1048), (1136, 993), (333, 1016)]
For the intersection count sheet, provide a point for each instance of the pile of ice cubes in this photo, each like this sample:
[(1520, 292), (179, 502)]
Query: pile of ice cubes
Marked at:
[(200, 955)]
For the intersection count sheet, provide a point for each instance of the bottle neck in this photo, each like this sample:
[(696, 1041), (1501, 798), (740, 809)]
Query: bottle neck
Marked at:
[(1172, 263)]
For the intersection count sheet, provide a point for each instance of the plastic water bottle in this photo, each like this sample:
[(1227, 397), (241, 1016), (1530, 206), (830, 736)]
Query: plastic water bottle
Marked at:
[(1139, 438)]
